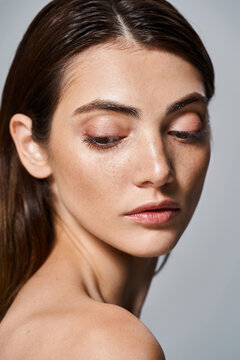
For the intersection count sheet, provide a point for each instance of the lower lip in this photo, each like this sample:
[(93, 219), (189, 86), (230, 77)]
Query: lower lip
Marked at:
[(154, 218)]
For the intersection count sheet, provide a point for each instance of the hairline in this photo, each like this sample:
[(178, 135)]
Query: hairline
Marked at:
[(67, 73)]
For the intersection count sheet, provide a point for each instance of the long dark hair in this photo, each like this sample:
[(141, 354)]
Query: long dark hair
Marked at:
[(63, 29)]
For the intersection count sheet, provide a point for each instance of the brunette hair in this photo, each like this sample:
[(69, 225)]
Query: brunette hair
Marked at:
[(63, 29)]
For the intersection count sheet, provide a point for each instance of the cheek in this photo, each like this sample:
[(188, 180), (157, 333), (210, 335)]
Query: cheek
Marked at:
[(191, 170), (88, 180)]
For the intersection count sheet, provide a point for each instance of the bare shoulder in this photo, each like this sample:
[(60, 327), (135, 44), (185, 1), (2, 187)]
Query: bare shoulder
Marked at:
[(117, 334), (96, 332)]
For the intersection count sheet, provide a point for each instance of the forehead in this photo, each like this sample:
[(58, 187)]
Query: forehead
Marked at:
[(131, 74)]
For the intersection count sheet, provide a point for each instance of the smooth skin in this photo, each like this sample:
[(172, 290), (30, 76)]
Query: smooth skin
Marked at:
[(84, 302)]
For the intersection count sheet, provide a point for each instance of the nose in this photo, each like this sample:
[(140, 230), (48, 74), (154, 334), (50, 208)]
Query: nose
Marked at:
[(154, 164)]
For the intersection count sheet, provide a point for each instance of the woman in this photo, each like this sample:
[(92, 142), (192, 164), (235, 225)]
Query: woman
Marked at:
[(101, 171)]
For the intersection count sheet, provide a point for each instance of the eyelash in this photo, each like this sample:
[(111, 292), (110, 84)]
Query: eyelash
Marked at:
[(189, 136), (182, 136), (93, 142)]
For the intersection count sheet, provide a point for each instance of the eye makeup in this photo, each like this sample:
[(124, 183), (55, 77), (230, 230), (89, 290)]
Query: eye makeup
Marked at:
[(187, 127), (189, 136), (189, 122), (102, 143)]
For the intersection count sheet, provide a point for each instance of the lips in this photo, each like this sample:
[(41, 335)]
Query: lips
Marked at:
[(164, 205), (154, 213)]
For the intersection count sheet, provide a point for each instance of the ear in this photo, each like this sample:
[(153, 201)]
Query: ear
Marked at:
[(33, 156)]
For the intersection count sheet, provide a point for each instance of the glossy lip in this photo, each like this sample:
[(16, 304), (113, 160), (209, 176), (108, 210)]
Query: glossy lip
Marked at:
[(164, 212), (163, 205)]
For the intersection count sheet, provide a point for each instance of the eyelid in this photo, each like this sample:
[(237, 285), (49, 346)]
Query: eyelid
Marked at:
[(93, 143), (189, 121), (195, 108), (106, 124), (189, 137)]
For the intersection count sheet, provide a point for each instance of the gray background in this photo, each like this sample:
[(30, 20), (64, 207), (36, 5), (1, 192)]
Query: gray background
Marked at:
[(193, 304)]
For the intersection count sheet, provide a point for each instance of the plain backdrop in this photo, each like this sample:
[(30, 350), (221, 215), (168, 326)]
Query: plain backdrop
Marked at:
[(193, 304)]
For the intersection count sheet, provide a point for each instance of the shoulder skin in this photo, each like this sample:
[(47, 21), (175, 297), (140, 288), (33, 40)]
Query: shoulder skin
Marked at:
[(100, 332), (117, 335)]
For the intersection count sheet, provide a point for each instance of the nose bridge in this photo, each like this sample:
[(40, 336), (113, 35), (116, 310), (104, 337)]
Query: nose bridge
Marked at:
[(155, 163), (157, 154)]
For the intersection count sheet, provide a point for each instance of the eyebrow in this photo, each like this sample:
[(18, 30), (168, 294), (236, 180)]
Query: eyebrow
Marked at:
[(117, 107), (189, 99), (108, 105)]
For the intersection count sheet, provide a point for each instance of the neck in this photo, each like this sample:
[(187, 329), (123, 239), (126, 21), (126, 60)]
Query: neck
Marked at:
[(105, 274)]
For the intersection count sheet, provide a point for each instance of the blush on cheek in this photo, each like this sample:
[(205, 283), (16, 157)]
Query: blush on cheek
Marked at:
[(189, 122)]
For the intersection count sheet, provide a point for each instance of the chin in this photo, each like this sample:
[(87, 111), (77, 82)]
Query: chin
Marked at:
[(154, 245)]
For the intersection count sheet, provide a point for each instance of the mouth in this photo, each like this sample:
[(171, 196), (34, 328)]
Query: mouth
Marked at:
[(154, 213)]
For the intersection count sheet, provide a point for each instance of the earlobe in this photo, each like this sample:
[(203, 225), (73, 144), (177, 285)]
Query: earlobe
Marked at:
[(32, 155)]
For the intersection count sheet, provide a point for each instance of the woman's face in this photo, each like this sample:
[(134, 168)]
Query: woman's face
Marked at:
[(131, 129)]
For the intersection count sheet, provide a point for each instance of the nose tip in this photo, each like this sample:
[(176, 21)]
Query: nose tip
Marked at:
[(156, 168), (158, 177)]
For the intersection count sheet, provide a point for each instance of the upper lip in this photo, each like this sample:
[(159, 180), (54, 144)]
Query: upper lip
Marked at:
[(163, 205)]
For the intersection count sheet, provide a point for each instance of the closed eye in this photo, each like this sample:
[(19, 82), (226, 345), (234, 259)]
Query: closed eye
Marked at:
[(103, 142), (188, 136), (107, 142)]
